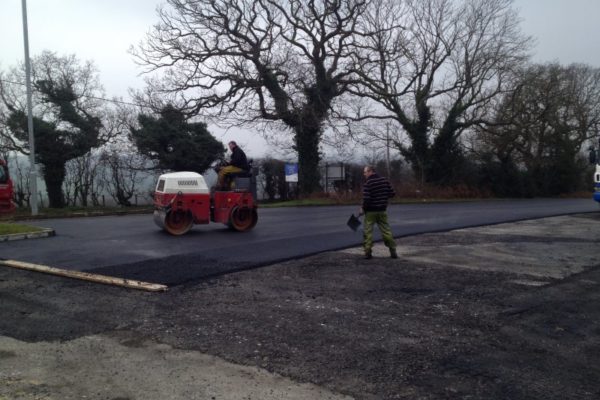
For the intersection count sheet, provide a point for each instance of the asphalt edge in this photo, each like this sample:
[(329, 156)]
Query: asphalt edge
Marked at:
[(341, 248), (45, 232)]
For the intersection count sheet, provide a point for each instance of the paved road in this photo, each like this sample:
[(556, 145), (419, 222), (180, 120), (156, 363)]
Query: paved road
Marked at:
[(133, 247)]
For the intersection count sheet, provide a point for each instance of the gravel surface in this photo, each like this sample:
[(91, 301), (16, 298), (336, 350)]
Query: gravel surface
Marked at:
[(503, 312)]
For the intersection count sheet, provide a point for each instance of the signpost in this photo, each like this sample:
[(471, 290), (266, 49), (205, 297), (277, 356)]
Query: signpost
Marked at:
[(291, 180)]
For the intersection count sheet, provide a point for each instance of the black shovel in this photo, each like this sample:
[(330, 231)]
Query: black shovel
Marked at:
[(353, 222)]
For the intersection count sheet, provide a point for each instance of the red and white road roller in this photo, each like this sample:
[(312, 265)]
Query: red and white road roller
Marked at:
[(182, 199)]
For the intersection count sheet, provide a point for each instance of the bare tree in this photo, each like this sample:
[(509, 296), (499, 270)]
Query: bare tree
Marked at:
[(80, 179), (121, 169), (439, 74), (544, 124), (280, 61), (21, 176)]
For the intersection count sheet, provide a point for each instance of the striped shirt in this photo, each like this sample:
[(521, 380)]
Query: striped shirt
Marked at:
[(376, 193)]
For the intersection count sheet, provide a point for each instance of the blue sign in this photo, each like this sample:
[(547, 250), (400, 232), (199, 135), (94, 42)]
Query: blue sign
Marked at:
[(291, 172)]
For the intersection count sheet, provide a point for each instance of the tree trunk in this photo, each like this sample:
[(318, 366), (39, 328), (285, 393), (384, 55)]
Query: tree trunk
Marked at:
[(417, 154), (307, 146), (54, 175), (446, 155)]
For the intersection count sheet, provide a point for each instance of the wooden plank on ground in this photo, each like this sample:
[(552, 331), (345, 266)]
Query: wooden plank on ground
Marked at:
[(86, 276)]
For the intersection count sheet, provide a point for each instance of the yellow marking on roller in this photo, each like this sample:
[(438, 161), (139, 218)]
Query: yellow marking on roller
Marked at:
[(86, 276)]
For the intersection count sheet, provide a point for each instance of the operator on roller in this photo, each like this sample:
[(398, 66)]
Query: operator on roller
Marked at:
[(238, 163)]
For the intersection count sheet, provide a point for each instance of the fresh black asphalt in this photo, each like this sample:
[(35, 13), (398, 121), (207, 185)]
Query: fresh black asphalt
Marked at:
[(133, 247)]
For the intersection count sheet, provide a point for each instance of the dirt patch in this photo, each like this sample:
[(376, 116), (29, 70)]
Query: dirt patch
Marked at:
[(109, 367), (548, 249)]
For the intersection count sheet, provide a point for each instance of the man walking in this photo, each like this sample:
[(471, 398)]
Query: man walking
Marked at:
[(376, 193)]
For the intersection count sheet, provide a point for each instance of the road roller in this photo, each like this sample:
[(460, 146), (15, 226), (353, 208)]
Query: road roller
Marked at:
[(182, 199)]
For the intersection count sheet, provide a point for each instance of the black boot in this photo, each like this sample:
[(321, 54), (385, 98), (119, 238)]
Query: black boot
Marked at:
[(393, 253), (368, 255)]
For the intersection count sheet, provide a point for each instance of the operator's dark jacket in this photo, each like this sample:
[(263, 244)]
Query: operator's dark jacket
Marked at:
[(376, 193), (238, 159)]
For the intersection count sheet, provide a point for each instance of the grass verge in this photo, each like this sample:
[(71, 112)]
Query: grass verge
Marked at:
[(301, 203), (25, 213), (11, 229), (357, 202)]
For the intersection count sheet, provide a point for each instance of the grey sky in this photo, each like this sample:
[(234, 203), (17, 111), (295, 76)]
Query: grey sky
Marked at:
[(98, 30), (567, 31)]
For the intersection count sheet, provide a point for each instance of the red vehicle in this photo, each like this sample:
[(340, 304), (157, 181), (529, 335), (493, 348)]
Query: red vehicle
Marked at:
[(182, 199), (6, 190)]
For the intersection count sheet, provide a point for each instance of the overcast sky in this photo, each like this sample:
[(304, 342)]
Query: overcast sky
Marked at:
[(567, 31)]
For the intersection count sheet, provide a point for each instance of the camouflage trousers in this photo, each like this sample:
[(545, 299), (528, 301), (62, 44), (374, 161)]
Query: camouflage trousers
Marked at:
[(380, 218)]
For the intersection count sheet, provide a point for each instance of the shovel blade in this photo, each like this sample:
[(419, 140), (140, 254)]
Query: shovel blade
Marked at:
[(353, 222)]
